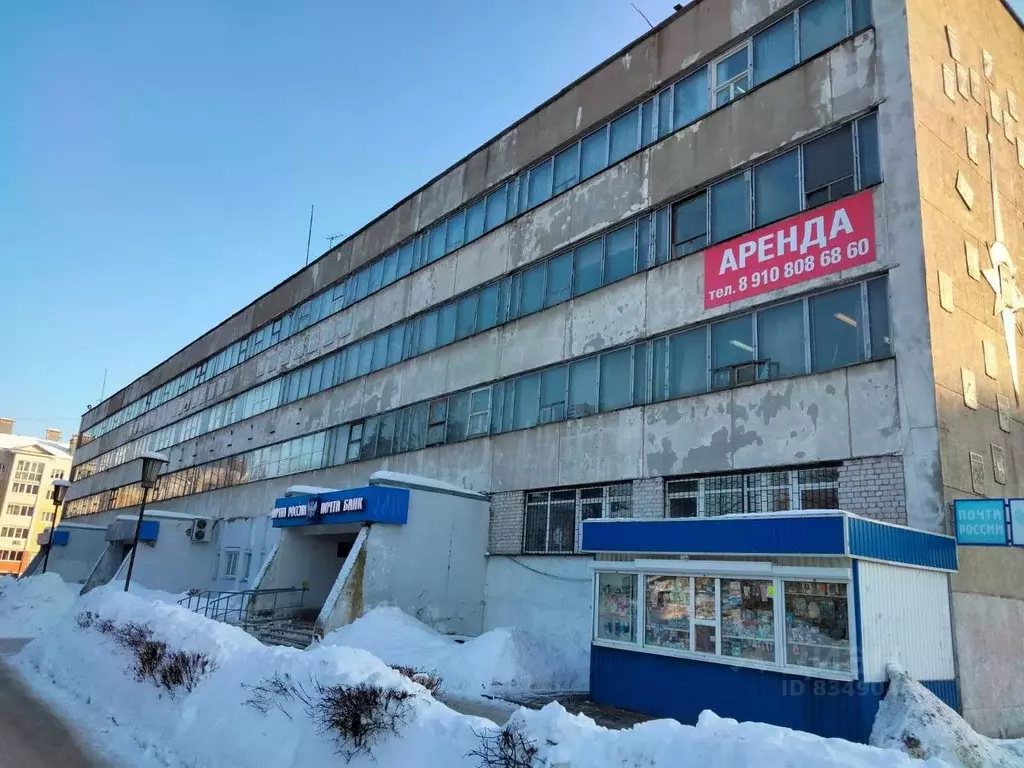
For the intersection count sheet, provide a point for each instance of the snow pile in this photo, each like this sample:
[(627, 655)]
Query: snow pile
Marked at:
[(913, 719), (29, 607), (502, 661)]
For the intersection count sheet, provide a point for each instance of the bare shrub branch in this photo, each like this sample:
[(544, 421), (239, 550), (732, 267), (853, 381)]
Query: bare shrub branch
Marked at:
[(507, 748)]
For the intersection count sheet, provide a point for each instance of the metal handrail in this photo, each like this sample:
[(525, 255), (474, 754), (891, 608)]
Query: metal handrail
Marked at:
[(244, 607)]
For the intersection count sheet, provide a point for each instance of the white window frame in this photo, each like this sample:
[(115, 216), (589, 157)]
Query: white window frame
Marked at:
[(231, 557), (246, 565), (731, 83), (485, 414)]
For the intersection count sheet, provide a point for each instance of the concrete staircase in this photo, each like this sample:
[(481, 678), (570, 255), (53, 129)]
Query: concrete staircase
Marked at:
[(295, 633)]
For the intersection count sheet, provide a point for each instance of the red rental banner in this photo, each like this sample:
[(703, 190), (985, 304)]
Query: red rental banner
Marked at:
[(818, 242)]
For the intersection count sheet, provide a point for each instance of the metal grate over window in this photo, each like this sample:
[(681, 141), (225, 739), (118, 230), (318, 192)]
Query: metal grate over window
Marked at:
[(776, 490), (552, 519)]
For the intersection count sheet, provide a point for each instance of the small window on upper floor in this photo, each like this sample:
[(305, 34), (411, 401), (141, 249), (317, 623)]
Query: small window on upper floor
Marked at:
[(732, 75), (774, 50), (625, 138), (690, 225), (567, 168), (822, 25), (730, 208), (497, 202), (690, 98), (828, 167), (540, 184), (594, 153)]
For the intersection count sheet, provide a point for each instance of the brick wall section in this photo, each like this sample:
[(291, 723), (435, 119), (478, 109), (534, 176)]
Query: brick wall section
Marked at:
[(874, 487), (505, 536), (649, 497)]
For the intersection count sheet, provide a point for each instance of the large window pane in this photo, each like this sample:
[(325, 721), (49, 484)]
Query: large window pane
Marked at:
[(594, 149), (588, 267), (405, 254), (861, 14), (774, 50), (583, 388), (480, 411), (616, 607), (667, 617), (390, 268), (822, 25), (552, 395), (559, 279), (817, 625), (780, 340), (567, 168), (659, 369), (435, 248), (643, 243), (625, 135), (688, 363), (428, 332), (488, 311), (647, 127), (446, 324), (732, 344), (748, 619), (664, 113), (496, 202), (540, 184), (867, 145), (458, 417), (828, 167), (465, 324), (526, 402), (456, 231), (620, 253), (640, 380), (730, 208), (777, 188), (690, 98), (395, 343), (616, 379), (532, 289), (437, 421), (690, 225), (878, 317), (366, 357), (380, 351), (475, 217), (836, 329)]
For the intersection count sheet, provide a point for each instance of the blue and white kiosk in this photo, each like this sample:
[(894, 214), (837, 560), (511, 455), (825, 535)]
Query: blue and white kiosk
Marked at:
[(786, 618)]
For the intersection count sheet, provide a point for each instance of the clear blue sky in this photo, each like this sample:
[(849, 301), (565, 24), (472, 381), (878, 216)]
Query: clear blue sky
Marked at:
[(158, 160)]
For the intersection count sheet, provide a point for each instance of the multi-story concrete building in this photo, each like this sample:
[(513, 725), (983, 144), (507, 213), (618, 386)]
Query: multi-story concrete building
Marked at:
[(28, 467), (760, 259)]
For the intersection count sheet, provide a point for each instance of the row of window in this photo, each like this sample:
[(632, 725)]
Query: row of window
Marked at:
[(552, 518), (32, 471), (20, 510), (813, 28), (815, 333), (831, 160), (8, 532), (28, 488), (10, 556), (746, 621)]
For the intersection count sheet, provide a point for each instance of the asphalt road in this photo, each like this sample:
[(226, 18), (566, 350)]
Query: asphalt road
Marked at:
[(31, 735)]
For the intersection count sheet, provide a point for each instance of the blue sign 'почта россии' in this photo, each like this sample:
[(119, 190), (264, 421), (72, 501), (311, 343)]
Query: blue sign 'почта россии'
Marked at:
[(981, 522)]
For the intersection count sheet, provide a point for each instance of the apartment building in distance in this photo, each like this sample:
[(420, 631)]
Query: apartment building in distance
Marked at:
[(28, 467), (761, 260)]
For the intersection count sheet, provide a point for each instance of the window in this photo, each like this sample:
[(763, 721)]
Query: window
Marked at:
[(355, 437), (567, 168), (552, 395), (230, 563), (774, 50), (532, 289), (588, 258), (540, 184), (496, 205), (606, 501), (817, 625), (777, 188), (732, 76), (732, 348), (57, 474), (246, 565), (526, 411), (456, 235), (616, 379), (776, 490), (594, 153), (386, 434), (446, 325), (690, 98), (583, 388), (868, 151), (878, 314), (366, 357), (480, 411), (690, 225), (625, 136), (550, 522), (828, 167), (688, 363), (730, 208), (822, 25), (836, 329), (781, 340), (435, 247), (616, 607), (368, 448), (391, 260), (861, 14), (748, 619), (620, 253), (458, 417), (648, 130), (559, 280), (465, 324), (396, 342), (436, 421), (667, 612)]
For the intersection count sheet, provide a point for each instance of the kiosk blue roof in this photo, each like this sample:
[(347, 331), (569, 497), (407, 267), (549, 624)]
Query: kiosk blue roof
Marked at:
[(821, 533), (370, 504)]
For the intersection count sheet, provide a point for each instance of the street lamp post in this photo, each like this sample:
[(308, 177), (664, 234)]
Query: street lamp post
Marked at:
[(151, 463), (60, 489)]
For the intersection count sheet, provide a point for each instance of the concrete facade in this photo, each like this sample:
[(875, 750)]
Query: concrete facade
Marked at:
[(892, 433)]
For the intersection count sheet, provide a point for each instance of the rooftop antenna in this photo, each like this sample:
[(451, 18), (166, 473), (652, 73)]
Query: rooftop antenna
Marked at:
[(103, 387), (309, 236), (642, 14), (332, 238)]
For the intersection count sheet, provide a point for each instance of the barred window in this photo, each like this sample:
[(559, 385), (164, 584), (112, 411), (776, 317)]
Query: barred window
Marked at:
[(553, 517), (751, 492)]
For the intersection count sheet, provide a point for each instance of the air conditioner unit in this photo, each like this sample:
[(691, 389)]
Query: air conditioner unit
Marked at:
[(201, 530)]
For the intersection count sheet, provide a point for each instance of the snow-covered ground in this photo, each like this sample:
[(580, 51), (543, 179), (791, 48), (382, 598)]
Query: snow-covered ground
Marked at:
[(90, 678), (501, 662), (29, 607)]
